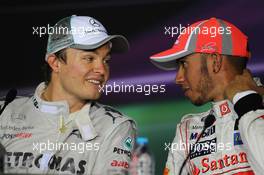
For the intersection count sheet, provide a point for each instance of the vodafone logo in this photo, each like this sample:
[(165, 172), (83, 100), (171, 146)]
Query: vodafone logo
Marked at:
[(224, 108), (209, 47)]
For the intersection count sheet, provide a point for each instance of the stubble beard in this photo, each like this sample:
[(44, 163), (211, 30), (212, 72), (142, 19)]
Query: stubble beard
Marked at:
[(205, 86)]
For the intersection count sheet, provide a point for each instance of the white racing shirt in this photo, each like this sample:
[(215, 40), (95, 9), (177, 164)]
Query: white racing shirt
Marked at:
[(234, 144), (44, 138)]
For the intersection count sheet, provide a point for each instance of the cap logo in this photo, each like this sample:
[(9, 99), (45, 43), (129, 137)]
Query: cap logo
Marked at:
[(224, 108), (94, 23), (209, 47)]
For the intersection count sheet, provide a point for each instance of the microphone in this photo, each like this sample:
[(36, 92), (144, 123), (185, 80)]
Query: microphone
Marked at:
[(10, 96), (2, 158), (209, 120)]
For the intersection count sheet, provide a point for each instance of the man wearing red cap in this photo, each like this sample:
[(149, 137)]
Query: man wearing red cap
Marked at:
[(226, 139)]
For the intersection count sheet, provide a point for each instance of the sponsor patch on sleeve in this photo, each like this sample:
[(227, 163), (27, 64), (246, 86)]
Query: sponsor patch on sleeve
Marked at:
[(237, 139), (128, 145)]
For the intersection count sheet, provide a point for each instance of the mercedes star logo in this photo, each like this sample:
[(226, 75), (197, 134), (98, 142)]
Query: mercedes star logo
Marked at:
[(94, 23)]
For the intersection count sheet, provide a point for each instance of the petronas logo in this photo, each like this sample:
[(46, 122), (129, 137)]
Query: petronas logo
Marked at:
[(128, 143)]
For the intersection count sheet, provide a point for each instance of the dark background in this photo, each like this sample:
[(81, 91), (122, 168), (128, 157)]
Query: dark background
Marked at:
[(142, 22)]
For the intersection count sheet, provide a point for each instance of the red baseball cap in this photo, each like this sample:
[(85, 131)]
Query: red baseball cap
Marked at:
[(207, 36)]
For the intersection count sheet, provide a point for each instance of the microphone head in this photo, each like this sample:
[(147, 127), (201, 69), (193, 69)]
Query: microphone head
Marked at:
[(11, 95), (209, 120)]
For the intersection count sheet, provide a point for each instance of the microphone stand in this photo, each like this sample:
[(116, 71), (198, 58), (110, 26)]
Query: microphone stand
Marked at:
[(10, 96)]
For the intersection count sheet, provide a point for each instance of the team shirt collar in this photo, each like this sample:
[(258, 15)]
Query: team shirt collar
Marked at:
[(80, 119)]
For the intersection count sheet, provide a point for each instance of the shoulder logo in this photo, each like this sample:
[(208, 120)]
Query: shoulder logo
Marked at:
[(224, 108), (128, 143)]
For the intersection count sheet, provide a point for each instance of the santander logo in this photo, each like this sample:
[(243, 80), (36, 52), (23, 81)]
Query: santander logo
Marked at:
[(211, 165)]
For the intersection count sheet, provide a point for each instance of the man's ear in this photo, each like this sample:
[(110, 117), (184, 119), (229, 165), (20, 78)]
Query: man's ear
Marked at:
[(53, 62), (217, 62)]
